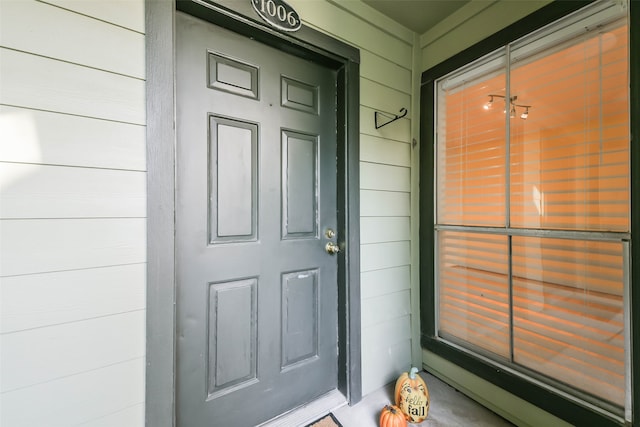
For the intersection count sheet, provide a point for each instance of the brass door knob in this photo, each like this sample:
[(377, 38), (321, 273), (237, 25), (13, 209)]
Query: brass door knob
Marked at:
[(332, 248)]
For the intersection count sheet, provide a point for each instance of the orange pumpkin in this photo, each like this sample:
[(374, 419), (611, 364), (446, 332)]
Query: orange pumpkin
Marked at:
[(392, 416), (412, 396)]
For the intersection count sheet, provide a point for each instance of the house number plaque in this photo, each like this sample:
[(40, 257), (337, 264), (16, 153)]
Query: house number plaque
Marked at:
[(278, 14)]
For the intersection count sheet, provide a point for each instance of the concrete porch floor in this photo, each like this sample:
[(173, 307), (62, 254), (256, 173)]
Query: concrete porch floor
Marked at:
[(448, 408)]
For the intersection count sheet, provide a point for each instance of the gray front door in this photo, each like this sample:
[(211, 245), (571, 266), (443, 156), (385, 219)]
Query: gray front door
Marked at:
[(256, 197)]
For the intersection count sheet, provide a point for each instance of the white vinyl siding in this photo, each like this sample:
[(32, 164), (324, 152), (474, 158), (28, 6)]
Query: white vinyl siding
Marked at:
[(385, 182), (72, 213)]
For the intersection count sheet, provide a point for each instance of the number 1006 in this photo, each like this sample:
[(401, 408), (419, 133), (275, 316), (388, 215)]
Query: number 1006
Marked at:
[(269, 7)]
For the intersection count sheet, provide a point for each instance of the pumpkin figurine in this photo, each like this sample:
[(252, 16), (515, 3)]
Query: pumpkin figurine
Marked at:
[(412, 396), (392, 416)]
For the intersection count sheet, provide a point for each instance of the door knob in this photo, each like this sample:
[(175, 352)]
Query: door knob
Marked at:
[(332, 248)]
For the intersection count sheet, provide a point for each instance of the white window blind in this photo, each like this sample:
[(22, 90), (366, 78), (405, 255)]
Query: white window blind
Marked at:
[(568, 312), (474, 290), (471, 179), (570, 158)]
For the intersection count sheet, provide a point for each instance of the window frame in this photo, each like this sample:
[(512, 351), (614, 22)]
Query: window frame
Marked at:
[(562, 407)]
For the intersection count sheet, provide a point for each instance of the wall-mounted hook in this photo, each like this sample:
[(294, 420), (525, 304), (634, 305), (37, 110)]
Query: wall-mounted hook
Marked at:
[(377, 114)]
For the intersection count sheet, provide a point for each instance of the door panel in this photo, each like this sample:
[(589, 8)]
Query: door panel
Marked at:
[(299, 317), (232, 351), (233, 191), (256, 190), (300, 189)]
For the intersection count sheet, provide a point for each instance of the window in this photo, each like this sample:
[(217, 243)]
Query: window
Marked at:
[(532, 208)]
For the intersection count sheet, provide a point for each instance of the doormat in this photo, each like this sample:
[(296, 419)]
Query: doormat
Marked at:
[(327, 421)]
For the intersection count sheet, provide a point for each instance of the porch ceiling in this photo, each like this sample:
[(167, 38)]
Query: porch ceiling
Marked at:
[(417, 15)]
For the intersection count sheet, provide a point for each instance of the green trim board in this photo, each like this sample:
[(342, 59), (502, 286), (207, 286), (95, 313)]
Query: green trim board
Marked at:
[(555, 404), (160, 348)]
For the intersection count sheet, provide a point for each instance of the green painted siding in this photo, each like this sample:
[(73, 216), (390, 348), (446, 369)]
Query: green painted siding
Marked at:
[(472, 23)]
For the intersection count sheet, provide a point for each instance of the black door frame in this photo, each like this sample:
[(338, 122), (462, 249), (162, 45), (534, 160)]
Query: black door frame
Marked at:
[(160, 65)]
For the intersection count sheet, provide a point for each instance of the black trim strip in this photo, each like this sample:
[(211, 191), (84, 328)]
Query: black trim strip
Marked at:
[(427, 205)]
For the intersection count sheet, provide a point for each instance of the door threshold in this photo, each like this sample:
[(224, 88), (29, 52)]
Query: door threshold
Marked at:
[(303, 415)]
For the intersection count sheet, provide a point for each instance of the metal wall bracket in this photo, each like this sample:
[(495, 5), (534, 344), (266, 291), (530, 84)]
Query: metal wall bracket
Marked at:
[(390, 118)]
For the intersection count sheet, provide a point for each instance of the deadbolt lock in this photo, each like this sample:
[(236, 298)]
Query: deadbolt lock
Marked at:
[(330, 234)]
